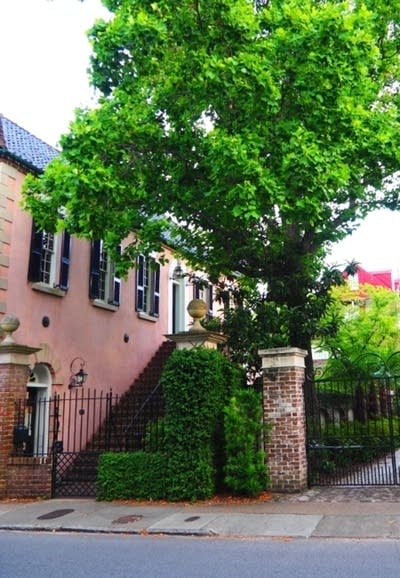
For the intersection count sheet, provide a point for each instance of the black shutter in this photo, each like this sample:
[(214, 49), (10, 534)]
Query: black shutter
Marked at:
[(94, 276), (210, 300), (35, 255), (65, 260), (140, 283), (156, 296)]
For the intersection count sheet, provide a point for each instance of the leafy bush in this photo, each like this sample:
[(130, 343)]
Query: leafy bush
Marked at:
[(191, 474), (154, 439), (197, 384), (130, 475), (190, 461), (245, 470)]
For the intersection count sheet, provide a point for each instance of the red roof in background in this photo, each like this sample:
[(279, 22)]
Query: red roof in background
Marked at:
[(377, 278)]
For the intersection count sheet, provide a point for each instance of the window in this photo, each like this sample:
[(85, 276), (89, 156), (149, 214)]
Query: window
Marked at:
[(204, 290), (47, 264), (104, 286), (148, 286), (49, 259)]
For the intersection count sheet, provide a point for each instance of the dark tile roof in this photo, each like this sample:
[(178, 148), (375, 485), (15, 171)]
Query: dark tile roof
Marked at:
[(21, 146)]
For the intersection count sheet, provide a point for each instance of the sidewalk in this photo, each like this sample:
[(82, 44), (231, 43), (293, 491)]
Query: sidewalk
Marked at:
[(318, 513)]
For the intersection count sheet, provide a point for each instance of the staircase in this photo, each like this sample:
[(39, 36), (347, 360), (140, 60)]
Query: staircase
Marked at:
[(142, 403), (124, 429)]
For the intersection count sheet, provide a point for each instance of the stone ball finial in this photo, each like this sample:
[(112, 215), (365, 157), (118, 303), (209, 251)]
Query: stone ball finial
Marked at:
[(8, 325), (197, 309)]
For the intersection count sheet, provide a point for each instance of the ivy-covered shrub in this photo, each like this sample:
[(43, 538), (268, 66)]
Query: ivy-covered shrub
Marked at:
[(139, 475), (196, 384), (154, 439), (245, 470)]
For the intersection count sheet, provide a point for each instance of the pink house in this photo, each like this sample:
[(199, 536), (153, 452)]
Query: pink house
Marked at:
[(84, 322), (65, 293)]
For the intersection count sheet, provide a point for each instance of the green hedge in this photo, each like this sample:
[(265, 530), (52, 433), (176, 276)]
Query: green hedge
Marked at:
[(197, 384), (190, 463), (138, 475), (245, 469)]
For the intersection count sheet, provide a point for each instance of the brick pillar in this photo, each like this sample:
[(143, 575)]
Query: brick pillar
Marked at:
[(283, 404), (14, 373)]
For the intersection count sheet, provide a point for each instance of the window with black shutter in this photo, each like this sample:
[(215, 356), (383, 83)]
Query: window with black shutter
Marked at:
[(148, 286), (49, 259), (104, 286)]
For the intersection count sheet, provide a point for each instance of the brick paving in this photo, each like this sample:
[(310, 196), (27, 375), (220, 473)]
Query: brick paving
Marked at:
[(371, 494)]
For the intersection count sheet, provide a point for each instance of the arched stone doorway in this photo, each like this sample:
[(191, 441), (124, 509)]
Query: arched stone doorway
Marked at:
[(37, 409)]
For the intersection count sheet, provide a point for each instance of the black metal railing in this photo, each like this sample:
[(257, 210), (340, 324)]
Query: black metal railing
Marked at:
[(353, 431), (145, 428), (85, 420), (76, 427)]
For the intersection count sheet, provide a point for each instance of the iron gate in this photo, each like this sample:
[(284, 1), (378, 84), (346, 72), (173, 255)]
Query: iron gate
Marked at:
[(82, 427), (353, 432), (74, 429)]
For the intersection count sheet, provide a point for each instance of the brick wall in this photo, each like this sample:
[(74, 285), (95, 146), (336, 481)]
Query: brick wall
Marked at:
[(11, 378), (19, 476), (29, 477)]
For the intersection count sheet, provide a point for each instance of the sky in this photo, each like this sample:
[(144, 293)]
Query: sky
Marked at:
[(44, 56), (375, 244)]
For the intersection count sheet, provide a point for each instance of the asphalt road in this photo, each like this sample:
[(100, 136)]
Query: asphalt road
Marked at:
[(44, 555)]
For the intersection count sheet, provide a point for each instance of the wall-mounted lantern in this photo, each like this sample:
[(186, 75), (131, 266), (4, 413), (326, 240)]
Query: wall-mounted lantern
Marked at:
[(178, 273), (77, 378)]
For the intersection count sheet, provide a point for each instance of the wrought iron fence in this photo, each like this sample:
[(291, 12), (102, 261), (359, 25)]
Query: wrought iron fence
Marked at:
[(76, 427), (85, 420), (353, 431)]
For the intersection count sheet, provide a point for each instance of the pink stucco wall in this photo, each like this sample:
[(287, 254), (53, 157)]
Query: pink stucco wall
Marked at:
[(77, 327)]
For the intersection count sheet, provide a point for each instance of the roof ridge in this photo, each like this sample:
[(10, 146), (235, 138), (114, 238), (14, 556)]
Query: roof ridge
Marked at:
[(36, 138), (21, 145)]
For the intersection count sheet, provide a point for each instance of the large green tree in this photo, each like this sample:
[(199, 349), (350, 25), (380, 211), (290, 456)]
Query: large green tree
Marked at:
[(249, 134)]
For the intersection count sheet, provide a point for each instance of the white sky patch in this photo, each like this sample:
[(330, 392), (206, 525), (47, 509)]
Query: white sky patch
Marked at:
[(44, 60), (375, 244)]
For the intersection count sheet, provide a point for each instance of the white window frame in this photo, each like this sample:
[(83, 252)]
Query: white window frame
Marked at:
[(104, 285), (148, 287)]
